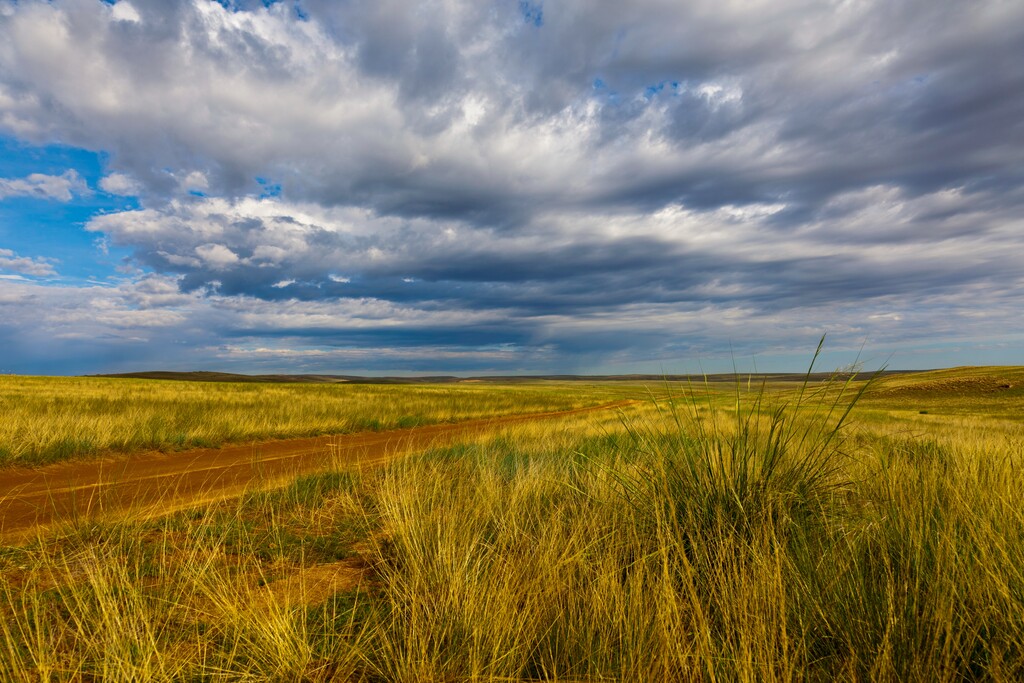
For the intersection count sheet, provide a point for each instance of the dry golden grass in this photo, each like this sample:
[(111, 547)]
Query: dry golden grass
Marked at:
[(678, 541), (48, 419)]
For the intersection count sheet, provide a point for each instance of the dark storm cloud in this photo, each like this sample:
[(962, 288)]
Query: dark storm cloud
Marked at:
[(544, 178)]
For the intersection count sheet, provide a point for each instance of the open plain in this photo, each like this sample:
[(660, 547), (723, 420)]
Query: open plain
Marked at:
[(563, 531)]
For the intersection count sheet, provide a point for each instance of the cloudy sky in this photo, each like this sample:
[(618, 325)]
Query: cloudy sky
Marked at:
[(497, 186)]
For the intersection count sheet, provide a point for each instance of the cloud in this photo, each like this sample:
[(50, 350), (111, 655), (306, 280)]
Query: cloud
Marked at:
[(25, 265), (217, 256), (598, 182), (148, 321), (483, 114), (862, 244), (120, 183), (61, 188)]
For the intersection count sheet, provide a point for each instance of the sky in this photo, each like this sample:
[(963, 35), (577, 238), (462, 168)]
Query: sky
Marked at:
[(510, 187)]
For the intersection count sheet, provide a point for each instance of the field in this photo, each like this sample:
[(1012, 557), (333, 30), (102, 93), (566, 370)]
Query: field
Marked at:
[(728, 531), (52, 419)]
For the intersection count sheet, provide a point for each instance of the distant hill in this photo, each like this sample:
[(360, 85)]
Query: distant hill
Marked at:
[(962, 381)]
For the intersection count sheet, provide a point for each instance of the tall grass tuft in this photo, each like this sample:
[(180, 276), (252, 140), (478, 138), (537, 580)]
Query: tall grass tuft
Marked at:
[(765, 459)]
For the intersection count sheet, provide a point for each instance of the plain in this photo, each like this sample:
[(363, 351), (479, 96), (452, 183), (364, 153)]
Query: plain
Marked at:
[(737, 531)]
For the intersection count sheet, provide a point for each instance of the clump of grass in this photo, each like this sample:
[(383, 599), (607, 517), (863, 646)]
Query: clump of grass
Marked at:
[(771, 460)]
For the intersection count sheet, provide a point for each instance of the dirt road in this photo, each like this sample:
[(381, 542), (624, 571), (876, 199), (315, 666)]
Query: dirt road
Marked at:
[(155, 483)]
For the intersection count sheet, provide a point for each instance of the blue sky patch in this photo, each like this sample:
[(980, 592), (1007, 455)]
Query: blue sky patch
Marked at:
[(533, 12)]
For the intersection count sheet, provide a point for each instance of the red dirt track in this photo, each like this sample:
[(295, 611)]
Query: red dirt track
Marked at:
[(153, 483)]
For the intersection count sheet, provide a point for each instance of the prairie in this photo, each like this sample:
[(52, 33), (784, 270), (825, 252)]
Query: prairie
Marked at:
[(49, 419), (710, 532)]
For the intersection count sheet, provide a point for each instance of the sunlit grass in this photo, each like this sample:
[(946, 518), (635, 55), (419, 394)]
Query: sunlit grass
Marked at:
[(717, 535), (48, 419)]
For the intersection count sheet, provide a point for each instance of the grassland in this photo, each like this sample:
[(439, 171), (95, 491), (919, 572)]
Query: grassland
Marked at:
[(47, 419), (722, 534)]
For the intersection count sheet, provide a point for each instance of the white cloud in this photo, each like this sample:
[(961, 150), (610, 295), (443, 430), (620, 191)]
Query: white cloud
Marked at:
[(269, 254), (196, 181), (123, 10), (217, 256), (25, 265), (120, 183), (61, 188)]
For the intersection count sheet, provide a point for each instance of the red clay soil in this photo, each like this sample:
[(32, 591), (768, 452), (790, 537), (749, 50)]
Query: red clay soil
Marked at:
[(152, 483)]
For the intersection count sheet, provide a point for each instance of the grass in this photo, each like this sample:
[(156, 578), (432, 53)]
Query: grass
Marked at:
[(52, 419), (992, 392), (741, 535)]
